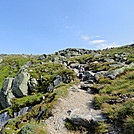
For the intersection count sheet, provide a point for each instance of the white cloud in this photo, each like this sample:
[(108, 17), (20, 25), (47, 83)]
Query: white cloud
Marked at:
[(103, 46), (85, 37), (97, 41)]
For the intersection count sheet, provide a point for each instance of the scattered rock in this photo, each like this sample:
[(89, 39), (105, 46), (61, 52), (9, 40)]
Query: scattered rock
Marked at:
[(99, 74), (50, 88), (97, 55), (22, 111), (86, 86), (116, 64), (32, 83), (88, 75), (4, 117), (108, 60), (74, 65), (58, 80)]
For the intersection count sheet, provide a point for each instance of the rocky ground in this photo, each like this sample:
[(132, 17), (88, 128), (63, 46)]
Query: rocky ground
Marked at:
[(77, 102)]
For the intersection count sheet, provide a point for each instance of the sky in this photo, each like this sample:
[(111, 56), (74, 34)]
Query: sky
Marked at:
[(47, 26)]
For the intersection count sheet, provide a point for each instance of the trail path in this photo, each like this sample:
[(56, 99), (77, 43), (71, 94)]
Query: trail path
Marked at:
[(78, 101)]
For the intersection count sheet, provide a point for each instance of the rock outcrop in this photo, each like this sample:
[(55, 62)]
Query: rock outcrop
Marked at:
[(113, 74)]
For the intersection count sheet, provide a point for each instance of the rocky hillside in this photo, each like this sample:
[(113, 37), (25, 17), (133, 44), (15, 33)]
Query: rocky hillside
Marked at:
[(31, 86)]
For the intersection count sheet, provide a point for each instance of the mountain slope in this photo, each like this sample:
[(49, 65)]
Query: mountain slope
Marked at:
[(31, 85)]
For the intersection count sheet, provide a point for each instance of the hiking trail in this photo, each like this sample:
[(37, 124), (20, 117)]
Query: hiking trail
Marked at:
[(77, 101)]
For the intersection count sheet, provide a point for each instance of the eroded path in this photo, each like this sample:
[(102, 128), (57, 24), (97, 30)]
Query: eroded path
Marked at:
[(78, 101)]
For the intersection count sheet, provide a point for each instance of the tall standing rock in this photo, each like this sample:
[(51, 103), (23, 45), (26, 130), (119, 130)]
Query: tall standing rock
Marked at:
[(6, 94), (20, 84)]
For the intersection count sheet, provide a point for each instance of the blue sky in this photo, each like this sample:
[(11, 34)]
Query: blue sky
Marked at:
[(47, 26)]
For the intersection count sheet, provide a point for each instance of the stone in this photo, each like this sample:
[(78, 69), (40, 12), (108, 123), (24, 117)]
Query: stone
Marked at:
[(123, 59), (32, 83), (88, 75), (82, 120), (116, 64), (128, 62), (20, 84), (22, 111), (108, 60), (74, 65), (58, 80), (86, 86), (97, 55), (99, 74), (6, 94), (4, 117), (50, 88), (7, 84), (28, 63)]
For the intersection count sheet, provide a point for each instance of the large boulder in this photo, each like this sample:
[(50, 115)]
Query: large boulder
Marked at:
[(20, 84), (82, 120)]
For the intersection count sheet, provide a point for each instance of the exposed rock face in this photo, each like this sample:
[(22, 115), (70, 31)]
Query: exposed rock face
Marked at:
[(6, 94), (20, 84), (113, 74)]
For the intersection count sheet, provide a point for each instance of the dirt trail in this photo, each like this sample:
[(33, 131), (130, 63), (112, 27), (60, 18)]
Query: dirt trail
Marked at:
[(77, 101)]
